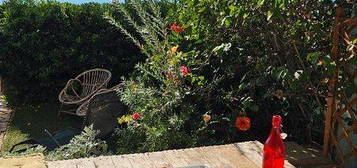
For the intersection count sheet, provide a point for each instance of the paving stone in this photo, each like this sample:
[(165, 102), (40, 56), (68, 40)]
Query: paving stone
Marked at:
[(4, 118), (74, 163), (4, 109), (28, 161), (103, 162)]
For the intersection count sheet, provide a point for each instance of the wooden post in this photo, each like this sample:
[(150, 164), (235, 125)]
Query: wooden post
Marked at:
[(332, 81)]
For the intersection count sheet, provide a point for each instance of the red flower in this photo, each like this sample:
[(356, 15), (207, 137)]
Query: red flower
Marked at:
[(173, 26), (176, 28), (136, 116), (243, 123), (184, 70)]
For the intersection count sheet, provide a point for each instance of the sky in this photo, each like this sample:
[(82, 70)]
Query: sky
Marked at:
[(83, 1)]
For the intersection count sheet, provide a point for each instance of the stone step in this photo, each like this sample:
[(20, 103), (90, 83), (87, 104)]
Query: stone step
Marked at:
[(243, 155)]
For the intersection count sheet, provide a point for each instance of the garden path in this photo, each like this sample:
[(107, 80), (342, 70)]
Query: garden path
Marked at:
[(5, 115), (238, 155)]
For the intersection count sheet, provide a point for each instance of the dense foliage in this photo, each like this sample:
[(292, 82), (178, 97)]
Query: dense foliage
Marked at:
[(210, 62), (45, 43)]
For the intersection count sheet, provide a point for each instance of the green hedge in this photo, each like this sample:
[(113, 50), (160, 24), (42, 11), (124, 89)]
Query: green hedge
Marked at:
[(43, 44)]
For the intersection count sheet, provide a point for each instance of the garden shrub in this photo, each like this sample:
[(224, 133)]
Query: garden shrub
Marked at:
[(84, 145), (160, 124), (45, 43), (210, 62)]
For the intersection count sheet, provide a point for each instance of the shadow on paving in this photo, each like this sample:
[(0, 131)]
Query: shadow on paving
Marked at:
[(30, 121)]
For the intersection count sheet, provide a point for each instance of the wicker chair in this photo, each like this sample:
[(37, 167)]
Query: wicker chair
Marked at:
[(82, 88)]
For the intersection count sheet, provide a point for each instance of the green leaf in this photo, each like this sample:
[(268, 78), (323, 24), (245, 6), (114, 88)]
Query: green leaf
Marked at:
[(193, 79), (254, 107), (280, 73), (232, 7), (350, 90), (228, 22), (305, 76), (331, 67), (261, 2), (269, 15), (242, 86), (245, 15), (313, 57)]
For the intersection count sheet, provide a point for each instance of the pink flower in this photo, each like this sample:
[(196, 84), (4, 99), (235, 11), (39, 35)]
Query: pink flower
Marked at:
[(184, 70), (136, 116)]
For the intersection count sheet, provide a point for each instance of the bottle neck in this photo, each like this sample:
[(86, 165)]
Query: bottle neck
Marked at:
[(274, 136), (276, 127), (275, 130)]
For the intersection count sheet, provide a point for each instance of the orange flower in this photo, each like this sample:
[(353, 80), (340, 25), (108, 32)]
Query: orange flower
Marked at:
[(321, 62), (243, 123), (206, 117), (173, 50), (121, 120)]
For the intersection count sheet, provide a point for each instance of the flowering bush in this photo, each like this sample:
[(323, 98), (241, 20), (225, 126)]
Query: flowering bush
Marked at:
[(209, 62)]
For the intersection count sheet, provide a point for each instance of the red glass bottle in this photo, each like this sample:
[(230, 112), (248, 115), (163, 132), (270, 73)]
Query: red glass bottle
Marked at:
[(274, 148)]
